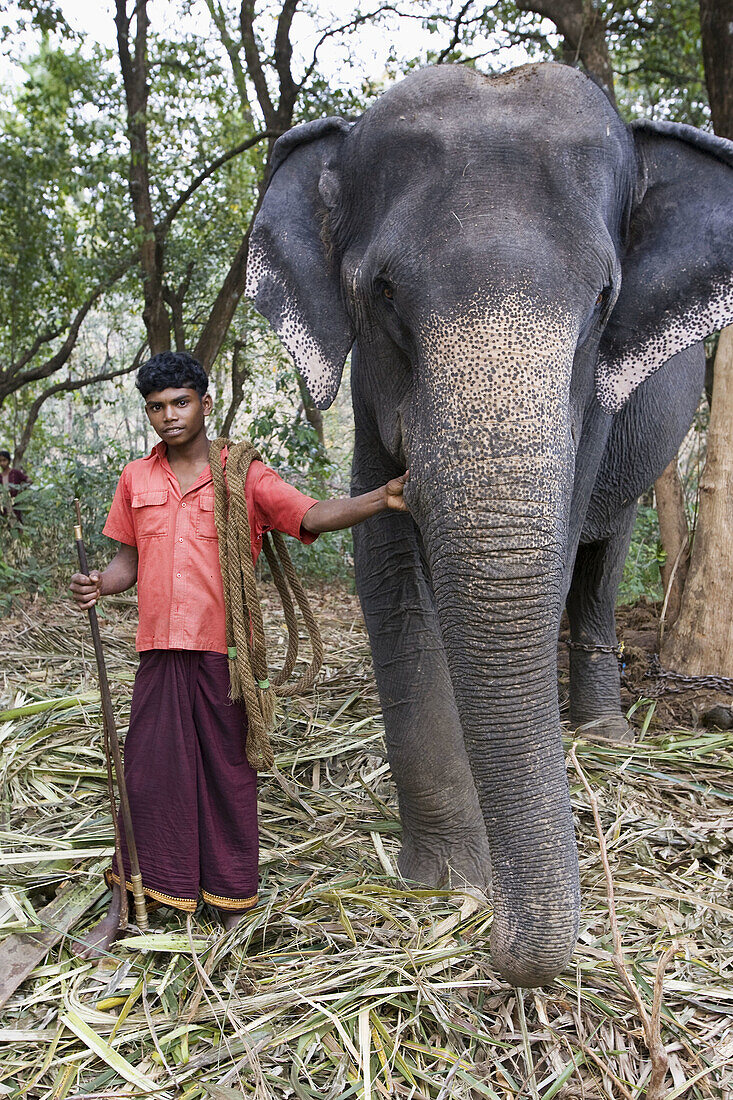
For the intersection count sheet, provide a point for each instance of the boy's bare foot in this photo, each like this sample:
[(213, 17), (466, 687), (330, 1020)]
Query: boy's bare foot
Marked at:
[(101, 937), (230, 918)]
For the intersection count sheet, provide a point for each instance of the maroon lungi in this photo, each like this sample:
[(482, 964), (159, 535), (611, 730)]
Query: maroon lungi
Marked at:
[(192, 791)]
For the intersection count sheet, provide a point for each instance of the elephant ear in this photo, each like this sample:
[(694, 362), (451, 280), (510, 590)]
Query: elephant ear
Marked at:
[(290, 276), (677, 270)]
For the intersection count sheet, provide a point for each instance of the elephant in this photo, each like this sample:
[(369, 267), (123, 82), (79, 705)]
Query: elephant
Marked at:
[(523, 281)]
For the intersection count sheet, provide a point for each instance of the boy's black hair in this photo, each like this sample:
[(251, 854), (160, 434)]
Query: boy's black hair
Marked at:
[(174, 369), (5, 454)]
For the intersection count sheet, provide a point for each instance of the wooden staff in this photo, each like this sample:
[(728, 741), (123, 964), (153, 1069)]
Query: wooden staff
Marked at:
[(112, 754)]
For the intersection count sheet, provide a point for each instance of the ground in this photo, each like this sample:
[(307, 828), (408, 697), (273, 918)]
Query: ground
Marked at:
[(345, 981)]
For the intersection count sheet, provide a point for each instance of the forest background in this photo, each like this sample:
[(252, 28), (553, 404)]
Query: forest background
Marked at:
[(134, 142), (133, 155)]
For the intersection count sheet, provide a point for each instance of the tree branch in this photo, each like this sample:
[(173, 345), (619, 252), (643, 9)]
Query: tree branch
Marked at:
[(456, 34), (175, 299), (218, 18), (227, 300), (165, 222), (65, 387), (239, 377), (254, 63), (135, 80), (357, 21), (283, 55), (40, 340), (10, 385)]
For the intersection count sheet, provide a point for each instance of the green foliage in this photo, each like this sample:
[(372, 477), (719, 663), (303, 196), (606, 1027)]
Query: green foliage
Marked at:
[(194, 115), (657, 57), (44, 15), (39, 556), (329, 558), (63, 190), (288, 442), (641, 578)]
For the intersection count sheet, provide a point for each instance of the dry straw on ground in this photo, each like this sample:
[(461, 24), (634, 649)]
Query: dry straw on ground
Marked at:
[(345, 981)]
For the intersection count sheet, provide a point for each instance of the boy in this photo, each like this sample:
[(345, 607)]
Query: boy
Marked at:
[(192, 791)]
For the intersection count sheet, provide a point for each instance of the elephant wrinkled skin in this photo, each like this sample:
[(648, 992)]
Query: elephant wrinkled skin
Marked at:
[(525, 281)]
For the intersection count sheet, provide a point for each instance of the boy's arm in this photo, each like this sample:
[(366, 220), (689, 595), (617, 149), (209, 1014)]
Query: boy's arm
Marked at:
[(340, 512), (120, 574)]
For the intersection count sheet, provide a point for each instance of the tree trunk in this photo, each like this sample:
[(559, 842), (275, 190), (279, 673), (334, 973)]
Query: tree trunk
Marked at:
[(701, 641), (134, 67), (239, 377), (716, 23), (583, 28), (674, 536), (313, 415)]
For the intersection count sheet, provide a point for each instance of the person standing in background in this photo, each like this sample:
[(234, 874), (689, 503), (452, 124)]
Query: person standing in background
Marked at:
[(12, 480)]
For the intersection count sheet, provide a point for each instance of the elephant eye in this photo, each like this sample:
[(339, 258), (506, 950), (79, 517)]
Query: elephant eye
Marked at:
[(599, 299), (387, 292)]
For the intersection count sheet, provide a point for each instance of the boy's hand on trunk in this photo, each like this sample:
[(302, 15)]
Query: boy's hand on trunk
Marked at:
[(394, 492)]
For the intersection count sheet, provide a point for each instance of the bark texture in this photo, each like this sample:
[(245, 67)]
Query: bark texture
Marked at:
[(674, 536), (701, 641), (716, 25), (134, 66)]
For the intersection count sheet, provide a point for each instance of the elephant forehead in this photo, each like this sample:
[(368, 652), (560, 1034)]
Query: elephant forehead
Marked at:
[(506, 359)]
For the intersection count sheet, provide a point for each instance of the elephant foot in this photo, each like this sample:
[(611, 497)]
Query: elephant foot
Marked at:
[(609, 728), (459, 865)]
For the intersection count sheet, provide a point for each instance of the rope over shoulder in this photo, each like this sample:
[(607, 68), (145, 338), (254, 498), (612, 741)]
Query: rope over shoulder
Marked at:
[(251, 682)]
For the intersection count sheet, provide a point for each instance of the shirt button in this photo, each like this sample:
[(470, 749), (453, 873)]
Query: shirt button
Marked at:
[(180, 540), (178, 574), (183, 504)]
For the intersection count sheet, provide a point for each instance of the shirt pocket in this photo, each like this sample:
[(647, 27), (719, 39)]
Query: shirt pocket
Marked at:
[(150, 514), (205, 524)]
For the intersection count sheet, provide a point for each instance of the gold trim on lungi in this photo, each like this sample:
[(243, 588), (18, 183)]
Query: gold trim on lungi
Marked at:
[(229, 903), (187, 905)]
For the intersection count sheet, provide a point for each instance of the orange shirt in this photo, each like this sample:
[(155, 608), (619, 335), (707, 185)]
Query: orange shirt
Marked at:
[(179, 590)]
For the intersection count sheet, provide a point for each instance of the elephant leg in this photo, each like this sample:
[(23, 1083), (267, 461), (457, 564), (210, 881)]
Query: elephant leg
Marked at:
[(443, 833), (595, 690)]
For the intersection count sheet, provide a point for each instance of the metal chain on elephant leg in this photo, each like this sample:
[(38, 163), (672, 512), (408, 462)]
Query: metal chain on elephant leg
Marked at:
[(675, 682), (668, 682), (245, 629), (599, 647)]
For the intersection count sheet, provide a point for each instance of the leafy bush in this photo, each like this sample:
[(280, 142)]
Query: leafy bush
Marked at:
[(295, 451), (641, 576), (40, 555)]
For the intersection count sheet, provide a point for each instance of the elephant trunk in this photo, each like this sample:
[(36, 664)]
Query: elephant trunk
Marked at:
[(499, 629), (491, 474)]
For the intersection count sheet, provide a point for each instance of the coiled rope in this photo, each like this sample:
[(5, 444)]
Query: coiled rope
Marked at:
[(251, 682)]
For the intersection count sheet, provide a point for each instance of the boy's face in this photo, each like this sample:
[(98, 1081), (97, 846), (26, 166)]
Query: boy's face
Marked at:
[(177, 415), (4, 463)]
